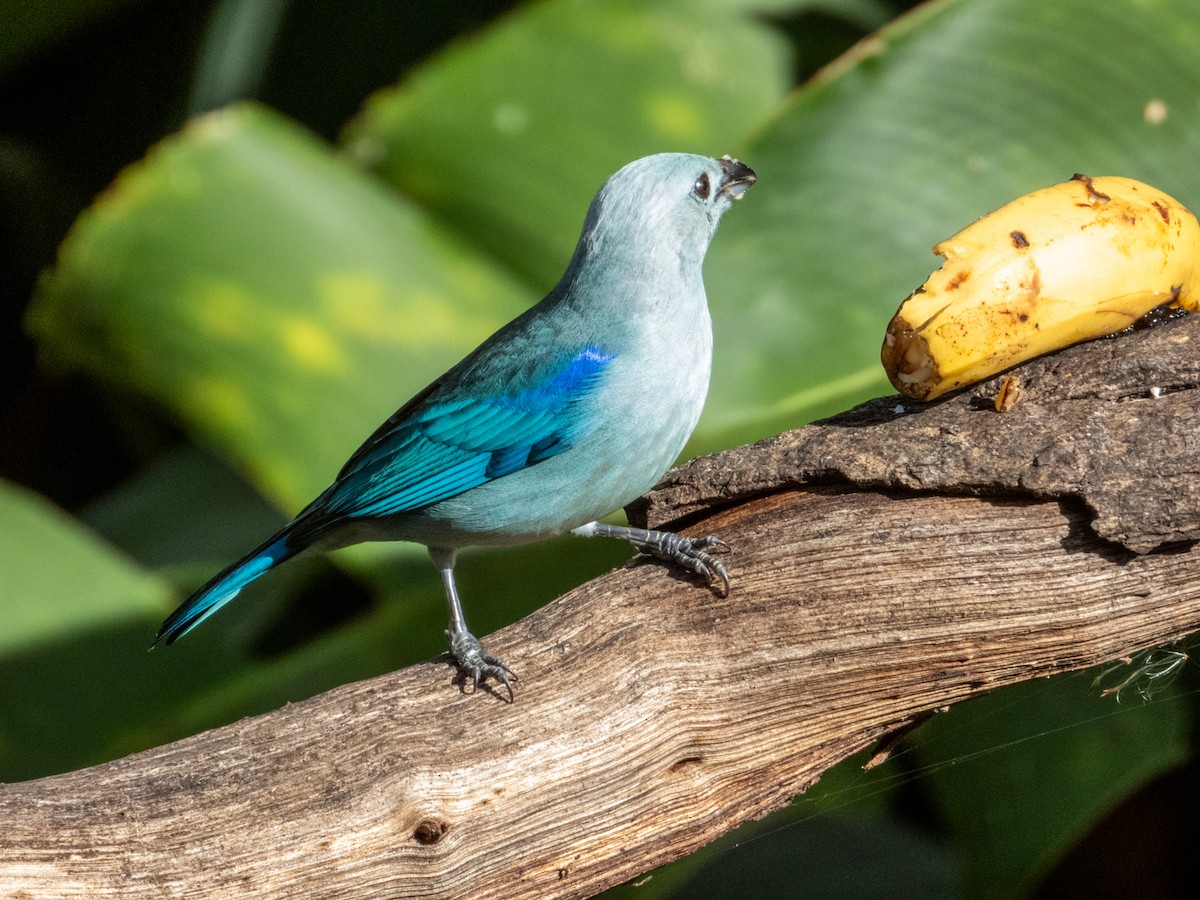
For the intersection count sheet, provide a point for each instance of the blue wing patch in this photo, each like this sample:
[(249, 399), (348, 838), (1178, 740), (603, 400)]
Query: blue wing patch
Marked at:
[(442, 448)]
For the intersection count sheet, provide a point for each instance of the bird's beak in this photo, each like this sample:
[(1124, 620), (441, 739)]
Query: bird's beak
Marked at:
[(736, 179)]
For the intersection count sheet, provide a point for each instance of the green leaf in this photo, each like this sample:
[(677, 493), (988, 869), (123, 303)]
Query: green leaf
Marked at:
[(508, 135), (823, 859), (78, 618), (948, 113), (183, 507), (58, 578), (1022, 774), (279, 302), (814, 848)]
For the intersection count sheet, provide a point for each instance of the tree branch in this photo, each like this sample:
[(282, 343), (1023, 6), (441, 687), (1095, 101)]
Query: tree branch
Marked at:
[(885, 564)]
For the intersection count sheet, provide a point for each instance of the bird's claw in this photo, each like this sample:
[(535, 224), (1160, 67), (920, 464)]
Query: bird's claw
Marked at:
[(692, 554), (472, 662)]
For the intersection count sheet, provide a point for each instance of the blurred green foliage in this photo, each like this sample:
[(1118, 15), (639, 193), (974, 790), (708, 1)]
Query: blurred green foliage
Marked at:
[(383, 186)]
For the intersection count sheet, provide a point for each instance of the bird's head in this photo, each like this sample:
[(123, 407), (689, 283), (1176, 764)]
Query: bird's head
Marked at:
[(667, 204)]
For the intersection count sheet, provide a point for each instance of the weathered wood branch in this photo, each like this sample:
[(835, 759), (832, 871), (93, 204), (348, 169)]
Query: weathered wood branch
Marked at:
[(886, 563)]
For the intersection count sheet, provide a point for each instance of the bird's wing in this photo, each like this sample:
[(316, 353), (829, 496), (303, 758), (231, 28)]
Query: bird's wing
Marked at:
[(445, 442)]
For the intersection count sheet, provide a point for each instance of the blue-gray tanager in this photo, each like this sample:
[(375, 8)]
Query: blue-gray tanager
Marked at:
[(570, 411)]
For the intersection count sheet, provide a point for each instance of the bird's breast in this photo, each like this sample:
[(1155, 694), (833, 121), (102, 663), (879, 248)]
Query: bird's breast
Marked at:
[(629, 432)]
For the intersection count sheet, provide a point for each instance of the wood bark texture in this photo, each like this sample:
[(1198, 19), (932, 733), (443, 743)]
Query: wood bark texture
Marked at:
[(886, 563)]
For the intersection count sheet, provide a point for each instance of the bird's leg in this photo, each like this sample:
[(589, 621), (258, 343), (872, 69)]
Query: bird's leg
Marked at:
[(465, 649), (689, 553)]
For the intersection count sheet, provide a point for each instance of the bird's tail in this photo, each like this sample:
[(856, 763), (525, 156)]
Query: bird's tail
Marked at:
[(226, 585)]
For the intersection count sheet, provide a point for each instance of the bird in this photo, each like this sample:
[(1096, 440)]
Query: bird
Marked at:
[(569, 412)]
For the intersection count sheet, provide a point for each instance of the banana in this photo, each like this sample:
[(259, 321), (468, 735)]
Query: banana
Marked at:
[(1065, 264)]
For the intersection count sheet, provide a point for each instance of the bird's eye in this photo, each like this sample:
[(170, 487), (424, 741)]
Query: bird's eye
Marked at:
[(703, 187)]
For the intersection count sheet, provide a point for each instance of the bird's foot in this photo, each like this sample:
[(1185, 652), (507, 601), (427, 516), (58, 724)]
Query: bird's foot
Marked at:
[(473, 663), (688, 553)]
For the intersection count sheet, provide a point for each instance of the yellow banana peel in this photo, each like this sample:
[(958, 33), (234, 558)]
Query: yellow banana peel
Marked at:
[(1068, 263)]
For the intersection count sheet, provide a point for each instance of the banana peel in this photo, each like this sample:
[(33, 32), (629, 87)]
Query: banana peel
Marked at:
[(1068, 263)]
